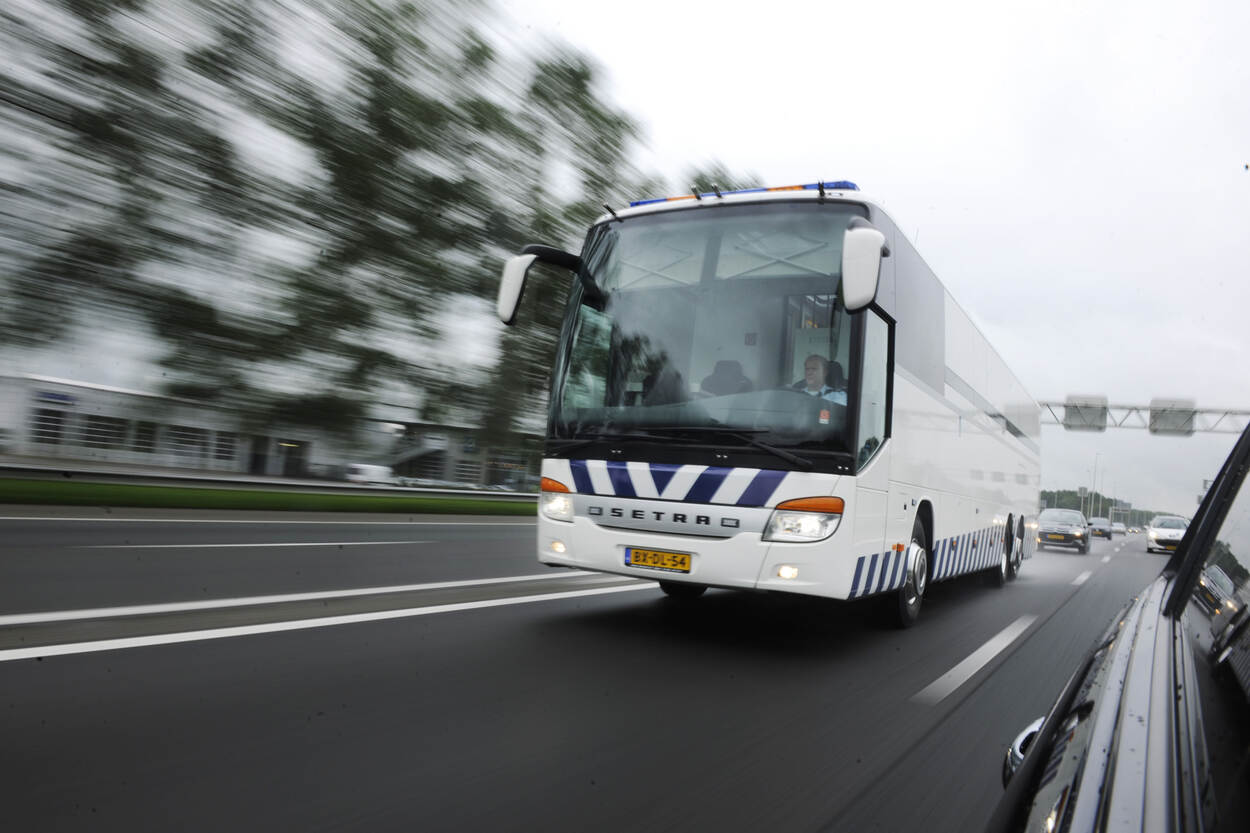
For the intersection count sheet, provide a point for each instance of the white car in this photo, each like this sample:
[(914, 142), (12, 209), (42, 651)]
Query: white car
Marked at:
[(1118, 528), (362, 473), (1164, 533)]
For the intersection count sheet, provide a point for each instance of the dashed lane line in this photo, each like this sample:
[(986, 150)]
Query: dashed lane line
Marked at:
[(1082, 578), (946, 684)]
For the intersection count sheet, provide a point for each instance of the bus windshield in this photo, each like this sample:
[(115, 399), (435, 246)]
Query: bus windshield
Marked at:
[(726, 318)]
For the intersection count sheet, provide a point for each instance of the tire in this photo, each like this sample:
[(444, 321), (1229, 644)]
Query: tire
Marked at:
[(1083, 549), (904, 606), (682, 590), (997, 575), (1017, 551)]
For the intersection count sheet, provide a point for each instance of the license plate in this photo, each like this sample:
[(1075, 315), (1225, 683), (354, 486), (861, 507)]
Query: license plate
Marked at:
[(669, 562), (1055, 537), (1169, 546)]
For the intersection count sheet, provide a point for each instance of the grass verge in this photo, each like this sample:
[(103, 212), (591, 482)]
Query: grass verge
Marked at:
[(71, 493)]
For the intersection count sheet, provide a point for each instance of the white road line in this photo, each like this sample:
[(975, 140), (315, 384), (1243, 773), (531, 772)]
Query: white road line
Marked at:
[(1106, 558), (219, 546), (211, 604), (944, 685), (297, 523), (1081, 579), (299, 624)]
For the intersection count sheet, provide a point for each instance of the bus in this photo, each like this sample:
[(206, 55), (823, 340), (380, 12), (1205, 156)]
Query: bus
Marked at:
[(768, 389)]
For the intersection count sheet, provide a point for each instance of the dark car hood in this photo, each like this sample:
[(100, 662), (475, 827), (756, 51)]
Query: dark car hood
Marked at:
[(1093, 744)]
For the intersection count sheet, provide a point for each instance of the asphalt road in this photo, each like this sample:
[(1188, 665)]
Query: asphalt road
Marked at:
[(427, 673)]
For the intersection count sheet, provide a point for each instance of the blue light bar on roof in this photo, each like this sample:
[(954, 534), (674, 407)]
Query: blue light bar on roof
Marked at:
[(840, 185)]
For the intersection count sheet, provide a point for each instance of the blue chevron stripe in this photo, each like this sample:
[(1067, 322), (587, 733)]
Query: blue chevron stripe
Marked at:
[(872, 569), (581, 477), (618, 475), (661, 474), (859, 569), (885, 566), (895, 573), (762, 487), (707, 484)]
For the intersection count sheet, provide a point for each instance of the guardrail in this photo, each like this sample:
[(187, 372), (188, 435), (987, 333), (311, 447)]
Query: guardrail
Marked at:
[(229, 480)]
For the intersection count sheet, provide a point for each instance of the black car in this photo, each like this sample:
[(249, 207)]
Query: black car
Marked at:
[(1152, 731), (1062, 528), (1101, 527)]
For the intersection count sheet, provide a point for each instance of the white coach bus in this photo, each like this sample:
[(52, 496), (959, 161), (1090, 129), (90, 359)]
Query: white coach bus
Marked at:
[(769, 389)]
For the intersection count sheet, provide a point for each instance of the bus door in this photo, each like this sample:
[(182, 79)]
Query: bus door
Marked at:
[(872, 455)]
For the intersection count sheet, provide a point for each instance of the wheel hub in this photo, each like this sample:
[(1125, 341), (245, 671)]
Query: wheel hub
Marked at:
[(918, 575)]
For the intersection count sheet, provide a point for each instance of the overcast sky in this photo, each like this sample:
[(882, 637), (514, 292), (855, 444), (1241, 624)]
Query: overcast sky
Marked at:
[(1073, 171)]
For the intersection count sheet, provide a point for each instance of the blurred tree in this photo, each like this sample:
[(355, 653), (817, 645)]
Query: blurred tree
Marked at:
[(715, 175), (305, 202)]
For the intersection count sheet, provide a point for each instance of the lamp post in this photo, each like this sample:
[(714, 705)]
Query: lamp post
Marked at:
[(1093, 483)]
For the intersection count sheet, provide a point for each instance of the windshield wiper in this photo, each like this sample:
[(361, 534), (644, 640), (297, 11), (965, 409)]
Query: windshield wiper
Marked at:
[(743, 434)]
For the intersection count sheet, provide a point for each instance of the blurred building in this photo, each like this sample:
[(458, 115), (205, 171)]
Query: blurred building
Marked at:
[(47, 419), (455, 453)]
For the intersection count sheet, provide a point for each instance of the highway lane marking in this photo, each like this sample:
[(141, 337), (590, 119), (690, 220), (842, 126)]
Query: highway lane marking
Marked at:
[(218, 546), (946, 684), (1107, 558), (1081, 579), (223, 521), (212, 604), (300, 624)]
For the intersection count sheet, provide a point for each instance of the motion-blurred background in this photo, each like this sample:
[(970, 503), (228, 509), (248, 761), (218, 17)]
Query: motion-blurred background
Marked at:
[(263, 236)]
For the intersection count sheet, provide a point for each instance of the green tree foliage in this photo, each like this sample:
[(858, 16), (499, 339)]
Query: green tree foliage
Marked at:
[(295, 197)]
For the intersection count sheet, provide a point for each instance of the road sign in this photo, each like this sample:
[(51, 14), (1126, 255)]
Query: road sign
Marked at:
[(1172, 416), (1085, 413)]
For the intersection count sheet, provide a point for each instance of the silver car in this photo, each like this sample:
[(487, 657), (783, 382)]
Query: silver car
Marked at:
[(1164, 533)]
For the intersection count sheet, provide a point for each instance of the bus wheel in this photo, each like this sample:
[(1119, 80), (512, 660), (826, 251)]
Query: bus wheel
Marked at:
[(682, 590), (906, 608), (1017, 551), (997, 576)]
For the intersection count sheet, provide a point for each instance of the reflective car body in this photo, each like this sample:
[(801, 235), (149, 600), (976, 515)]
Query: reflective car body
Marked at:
[(1164, 533), (1215, 588), (1152, 730), (1063, 528)]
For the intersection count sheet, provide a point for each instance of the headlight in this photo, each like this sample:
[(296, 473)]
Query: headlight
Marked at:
[(554, 501), (1153, 534), (801, 526), (556, 506), (804, 520)]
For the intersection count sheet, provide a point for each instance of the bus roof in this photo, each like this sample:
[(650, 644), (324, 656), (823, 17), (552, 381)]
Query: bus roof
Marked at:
[(841, 191)]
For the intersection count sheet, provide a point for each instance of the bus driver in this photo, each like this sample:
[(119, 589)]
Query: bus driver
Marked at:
[(815, 381)]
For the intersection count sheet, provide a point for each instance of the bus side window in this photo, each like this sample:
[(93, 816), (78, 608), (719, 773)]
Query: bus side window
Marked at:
[(586, 385), (874, 388)]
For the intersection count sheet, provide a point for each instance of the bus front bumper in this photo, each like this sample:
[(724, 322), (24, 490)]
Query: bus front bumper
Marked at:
[(743, 561)]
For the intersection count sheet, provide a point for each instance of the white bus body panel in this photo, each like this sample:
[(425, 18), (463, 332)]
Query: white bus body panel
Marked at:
[(963, 448)]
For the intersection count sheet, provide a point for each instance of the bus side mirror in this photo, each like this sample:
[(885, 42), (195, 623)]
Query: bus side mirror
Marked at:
[(512, 286), (862, 249)]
